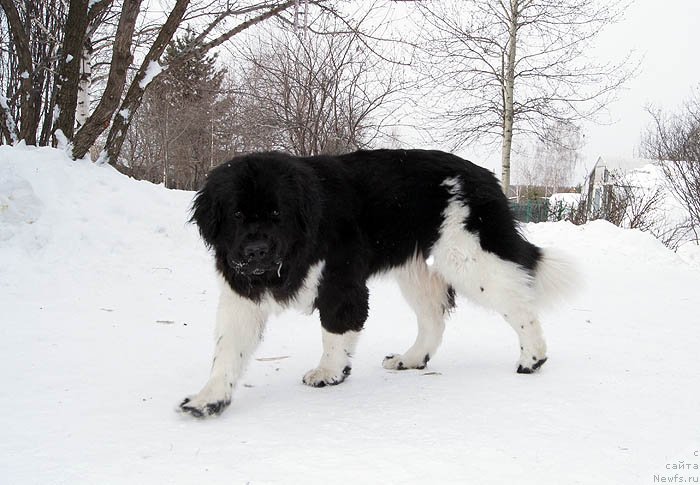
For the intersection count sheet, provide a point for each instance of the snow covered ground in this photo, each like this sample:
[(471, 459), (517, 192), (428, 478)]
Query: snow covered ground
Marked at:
[(107, 300)]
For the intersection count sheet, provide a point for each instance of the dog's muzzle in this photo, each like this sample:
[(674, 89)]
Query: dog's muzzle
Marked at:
[(252, 268)]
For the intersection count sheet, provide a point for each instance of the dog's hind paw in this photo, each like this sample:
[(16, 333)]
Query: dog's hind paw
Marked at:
[(405, 362), (321, 377), (531, 367)]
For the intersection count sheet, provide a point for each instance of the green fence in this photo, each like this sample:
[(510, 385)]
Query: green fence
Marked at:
[(535, 210)]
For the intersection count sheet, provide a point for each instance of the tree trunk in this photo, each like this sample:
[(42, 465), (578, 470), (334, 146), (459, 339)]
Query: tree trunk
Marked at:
[(7, 123), (133, 98), (508, 83), (121, 60), (83, 110), (69, 72), (29, 119)]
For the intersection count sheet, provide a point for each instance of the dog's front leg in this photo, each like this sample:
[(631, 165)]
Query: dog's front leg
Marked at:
[(343, 309), (239, 327), (335, 365)]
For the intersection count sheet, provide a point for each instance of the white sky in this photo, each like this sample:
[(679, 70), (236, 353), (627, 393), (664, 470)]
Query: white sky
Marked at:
[(665, 33)]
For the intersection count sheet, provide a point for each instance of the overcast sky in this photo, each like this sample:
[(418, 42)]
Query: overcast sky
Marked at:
[(664, 34)]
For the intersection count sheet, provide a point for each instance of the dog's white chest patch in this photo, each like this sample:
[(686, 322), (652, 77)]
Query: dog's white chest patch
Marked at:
[(303, 301)]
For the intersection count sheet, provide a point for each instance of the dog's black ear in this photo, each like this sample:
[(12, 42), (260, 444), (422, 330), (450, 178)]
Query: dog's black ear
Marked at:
[(208, 215)]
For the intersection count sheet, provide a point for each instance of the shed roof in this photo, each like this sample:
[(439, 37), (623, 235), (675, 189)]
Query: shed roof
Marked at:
[(623, 164)]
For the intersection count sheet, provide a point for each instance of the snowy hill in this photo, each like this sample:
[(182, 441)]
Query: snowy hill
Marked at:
[(107, 301)]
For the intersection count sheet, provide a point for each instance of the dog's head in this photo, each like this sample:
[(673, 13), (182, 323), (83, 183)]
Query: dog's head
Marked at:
[(257, 212)]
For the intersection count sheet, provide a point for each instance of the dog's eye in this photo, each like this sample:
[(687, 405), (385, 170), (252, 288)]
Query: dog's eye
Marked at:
[(238, 215), (275, 213)]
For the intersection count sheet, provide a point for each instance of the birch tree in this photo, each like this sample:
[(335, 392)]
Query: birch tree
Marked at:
[(37, 66), (550, 163), (136, 43), (507, 68), (21, 42)]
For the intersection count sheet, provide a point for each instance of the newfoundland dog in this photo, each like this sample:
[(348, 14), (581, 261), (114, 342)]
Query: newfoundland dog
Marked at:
[(307, 232)]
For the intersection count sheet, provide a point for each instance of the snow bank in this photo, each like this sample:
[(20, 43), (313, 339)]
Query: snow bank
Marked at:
[(690, 253), (651, 177), (108, 300), (562, 204), (567, 199)]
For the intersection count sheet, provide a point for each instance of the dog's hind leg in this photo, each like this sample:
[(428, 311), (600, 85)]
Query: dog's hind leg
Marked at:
[(533, 349), (494, 282), (430, 297), (508, 289)]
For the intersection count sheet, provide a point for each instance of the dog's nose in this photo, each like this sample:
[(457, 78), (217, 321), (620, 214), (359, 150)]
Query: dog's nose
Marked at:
[(256, 250)]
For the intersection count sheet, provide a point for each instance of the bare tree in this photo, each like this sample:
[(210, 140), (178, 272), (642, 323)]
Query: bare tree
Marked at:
[(183, 125), (517, 66), (48, 73), (317, 93), (550, 164), (69, 67), (201, 44), (111, 96), (112, 52), (134, 32), (675, 139), (21, 42)]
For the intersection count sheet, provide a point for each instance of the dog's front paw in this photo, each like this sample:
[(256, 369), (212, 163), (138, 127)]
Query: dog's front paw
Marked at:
[(202, 409), (211, 401), (321, 377), (404, 362)]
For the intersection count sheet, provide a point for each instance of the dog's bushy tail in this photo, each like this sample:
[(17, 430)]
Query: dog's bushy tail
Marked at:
[(556, 278)]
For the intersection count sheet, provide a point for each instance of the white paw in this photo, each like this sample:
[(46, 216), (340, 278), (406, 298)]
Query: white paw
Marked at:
[(532, 357), (321, 377), (405, 361), (211, 400), (529, 364)]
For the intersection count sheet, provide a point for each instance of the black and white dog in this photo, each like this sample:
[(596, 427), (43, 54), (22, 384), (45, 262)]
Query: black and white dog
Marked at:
[(308, 233)]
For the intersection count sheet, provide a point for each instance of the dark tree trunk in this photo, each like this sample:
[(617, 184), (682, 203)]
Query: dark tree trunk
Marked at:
[(121, 60), (69, 72), (29, 119), (134, 96), (132, 100)]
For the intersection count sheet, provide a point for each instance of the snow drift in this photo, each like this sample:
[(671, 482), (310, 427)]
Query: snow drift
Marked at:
[(108, 300)]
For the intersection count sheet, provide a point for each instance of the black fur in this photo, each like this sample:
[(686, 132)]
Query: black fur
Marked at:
[(362, 213)]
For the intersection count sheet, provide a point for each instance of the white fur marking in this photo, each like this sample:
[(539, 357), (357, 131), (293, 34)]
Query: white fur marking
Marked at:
[(239, 327), (426, 293), (468, 268), (306, 296), (493, 282), (337, 350), (240, 323)]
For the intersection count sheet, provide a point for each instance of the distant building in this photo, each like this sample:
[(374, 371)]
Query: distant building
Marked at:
[(520, 192), (603, 176)]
